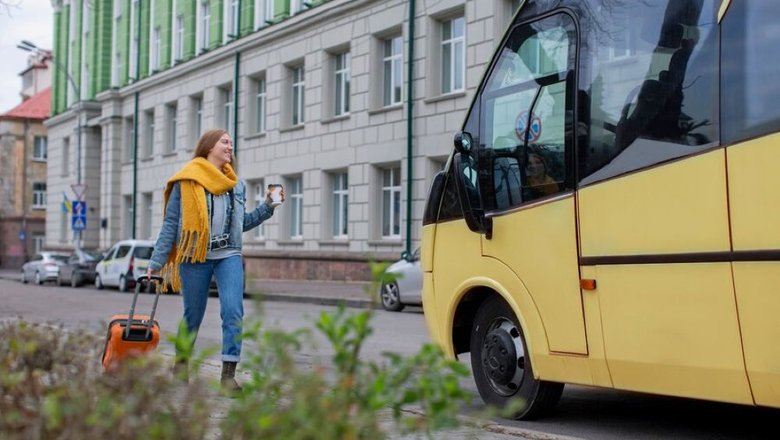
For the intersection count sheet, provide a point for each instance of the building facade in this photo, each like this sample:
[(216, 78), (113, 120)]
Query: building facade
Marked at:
[(23, 167), (315, 94)]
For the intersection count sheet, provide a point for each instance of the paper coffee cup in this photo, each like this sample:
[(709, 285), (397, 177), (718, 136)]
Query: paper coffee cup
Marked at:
[(276, 194)]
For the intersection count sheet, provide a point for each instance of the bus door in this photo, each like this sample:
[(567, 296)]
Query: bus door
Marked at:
[(653, 208), (525, 171), (750, 125)]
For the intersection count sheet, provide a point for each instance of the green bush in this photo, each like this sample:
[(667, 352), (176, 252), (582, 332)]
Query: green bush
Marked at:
[(52, 386)]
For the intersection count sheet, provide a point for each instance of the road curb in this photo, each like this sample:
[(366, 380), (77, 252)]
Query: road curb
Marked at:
[(323, 301)]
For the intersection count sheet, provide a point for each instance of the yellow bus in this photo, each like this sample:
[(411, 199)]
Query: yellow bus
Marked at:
[(610, 214)]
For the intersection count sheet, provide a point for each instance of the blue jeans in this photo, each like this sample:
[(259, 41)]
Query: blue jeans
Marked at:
[(195, 280)]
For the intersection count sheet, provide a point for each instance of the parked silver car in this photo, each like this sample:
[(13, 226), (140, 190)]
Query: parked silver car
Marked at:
[(406, 288), (44, 266)]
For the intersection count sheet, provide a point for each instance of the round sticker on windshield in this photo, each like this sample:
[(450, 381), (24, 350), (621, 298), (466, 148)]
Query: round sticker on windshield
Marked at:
[(521, 127)]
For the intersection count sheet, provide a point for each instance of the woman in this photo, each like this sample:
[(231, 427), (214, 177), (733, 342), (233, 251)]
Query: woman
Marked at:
[(538, 180), (200, 236)]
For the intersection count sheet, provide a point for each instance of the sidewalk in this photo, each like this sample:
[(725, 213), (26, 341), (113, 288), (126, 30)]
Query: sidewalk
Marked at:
[(351, 294)]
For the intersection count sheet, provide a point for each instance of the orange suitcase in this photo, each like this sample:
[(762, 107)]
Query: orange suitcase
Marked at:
[(132, 335)]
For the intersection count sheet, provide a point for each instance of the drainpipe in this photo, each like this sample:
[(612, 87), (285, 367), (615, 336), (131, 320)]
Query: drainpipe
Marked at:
[(135, 161), (25, 145), (236, 67), (409, 129), (135, 119)]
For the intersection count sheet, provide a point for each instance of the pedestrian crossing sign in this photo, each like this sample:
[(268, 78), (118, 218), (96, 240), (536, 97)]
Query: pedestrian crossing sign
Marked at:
[(79, 218)]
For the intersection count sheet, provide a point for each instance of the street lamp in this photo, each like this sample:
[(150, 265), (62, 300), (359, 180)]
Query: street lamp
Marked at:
[(28, 46)]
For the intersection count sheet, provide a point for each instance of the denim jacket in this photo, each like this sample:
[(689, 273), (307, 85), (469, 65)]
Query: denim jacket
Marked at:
[(171, 228)]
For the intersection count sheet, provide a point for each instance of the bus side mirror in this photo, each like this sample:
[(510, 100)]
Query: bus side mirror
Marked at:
[(467, 186), (463, 142)]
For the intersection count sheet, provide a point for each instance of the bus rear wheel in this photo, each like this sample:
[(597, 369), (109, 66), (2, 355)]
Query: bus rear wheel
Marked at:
[(502, 366)]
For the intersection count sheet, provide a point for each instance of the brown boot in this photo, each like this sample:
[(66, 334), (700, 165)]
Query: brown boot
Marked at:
[(228, 379)]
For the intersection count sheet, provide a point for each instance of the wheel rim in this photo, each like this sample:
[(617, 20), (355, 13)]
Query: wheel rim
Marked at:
[(37, 278), (98, 284), (390, 295), (503, 357)]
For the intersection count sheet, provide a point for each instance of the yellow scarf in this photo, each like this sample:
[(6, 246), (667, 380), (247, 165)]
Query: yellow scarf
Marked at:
[(197, 175)]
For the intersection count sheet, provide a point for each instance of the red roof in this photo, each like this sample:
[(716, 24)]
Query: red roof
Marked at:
[(37, 107)]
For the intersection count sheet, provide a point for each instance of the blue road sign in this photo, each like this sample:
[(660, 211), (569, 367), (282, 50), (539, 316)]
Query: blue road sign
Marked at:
[(78, 221)]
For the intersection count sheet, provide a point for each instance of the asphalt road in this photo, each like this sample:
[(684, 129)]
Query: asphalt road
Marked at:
[(583, 412)]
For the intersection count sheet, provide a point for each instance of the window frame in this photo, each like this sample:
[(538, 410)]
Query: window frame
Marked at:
[(339, 205), (342, 76), (40, 151), (454, 45), (298, 89), (38, 195), (391, 219), (393, 61)]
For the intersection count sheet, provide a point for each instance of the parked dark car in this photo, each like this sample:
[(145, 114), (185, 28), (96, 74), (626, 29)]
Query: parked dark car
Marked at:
[(80, 268)]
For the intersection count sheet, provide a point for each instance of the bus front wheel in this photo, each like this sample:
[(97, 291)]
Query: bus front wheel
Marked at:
[(502, 366)]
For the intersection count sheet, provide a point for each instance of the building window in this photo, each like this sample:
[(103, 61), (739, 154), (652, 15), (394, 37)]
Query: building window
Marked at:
[(203, 27), (297, 6), (39, 195), (170, 123), (342, 77), (154, 64), (259, 186), (392, 63), (264, 12), (146, 209), (260, 105), (116, 74), (150, 126), (133, 63), (298, 89), (453, 55), (340, 205), (391, 203), (128, 216), (197, 119), (231, 20), (65, 156), (226, 117), (40, 148), (295, 194), (128, 138), (178, 38), (38, 241)]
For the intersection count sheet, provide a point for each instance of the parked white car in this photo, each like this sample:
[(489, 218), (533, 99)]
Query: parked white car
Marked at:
[(406, 288), (125, 261), (43, 266)]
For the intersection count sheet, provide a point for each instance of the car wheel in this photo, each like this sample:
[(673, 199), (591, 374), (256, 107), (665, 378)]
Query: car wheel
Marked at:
[(75, 280), (23, 278), (122, 283), (98, 282), (391, 297), (38, 279), (502, 367)]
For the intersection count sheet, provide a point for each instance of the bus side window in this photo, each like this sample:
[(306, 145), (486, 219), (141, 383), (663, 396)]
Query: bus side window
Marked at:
[(751, 90), (526, 108), (652, 87)]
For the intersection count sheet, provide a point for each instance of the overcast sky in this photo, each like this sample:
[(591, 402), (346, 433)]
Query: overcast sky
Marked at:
[(20, 20)]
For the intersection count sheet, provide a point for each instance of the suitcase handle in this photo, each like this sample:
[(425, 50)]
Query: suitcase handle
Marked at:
[(138, 283)]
